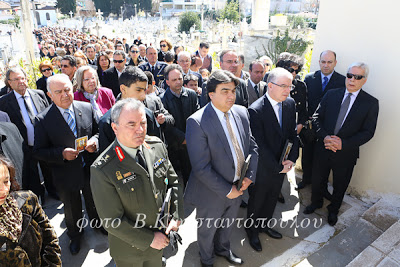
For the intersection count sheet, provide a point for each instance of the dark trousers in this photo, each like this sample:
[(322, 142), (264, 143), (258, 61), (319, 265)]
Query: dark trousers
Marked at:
[(263, 198), (210, 237), (30, 176), (73, 206), (323, 164), (48, 178), (179, 158), (307, 161)]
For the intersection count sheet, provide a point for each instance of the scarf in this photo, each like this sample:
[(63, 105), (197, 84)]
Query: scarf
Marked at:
[(10, 219), (92, 98)]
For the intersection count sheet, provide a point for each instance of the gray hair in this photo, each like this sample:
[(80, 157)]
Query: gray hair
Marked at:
[(13, 70), (277, 73), (79, 77), (128, 104), (266, 59), (183, 54), (361, 65), (57, 77)]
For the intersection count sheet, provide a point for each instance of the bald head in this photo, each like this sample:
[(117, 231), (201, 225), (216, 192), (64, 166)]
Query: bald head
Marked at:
[(327, 62)]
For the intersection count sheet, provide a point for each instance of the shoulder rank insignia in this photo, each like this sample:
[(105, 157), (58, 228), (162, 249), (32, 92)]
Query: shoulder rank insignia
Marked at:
[(146, 145), (158, 162), (119, 175), (119, 152)]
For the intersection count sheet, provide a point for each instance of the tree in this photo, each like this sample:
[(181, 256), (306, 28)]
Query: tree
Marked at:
[(231, 11), (66, 6), (187, 20)]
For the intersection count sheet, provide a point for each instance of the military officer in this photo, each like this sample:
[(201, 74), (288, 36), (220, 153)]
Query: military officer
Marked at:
[(129, 182), (154, 66)]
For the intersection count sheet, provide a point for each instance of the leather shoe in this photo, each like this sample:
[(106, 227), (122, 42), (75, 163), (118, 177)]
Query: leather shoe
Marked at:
[(327, 195), (272, 233), (75, 246), (310, 209), (254, 241), (301, 185), (243, 204), (232, 258), (281, 199), (332, 218), (206, 265)]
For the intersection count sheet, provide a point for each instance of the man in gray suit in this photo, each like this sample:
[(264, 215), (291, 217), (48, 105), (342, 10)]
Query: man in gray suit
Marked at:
[(218, 140), (255, 86)]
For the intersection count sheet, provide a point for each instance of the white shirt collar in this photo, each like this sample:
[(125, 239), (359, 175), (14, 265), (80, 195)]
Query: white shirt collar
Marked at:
[(252, 83), (354, 94), (70, 108), (273, 102), (17, 95), (220, 114)]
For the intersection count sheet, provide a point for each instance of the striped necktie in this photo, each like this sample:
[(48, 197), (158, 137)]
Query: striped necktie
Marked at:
[(236, 146), (71, 122)]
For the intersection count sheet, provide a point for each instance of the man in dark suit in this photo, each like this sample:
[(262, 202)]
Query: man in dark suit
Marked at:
[(206, 58), (154, 66), (110, 76), (181, 102), (22, 105), (244, 75), (58, 147), (345, 120), (318, 83), (255, 86), (219, 140), (133, 85), (229, 61), (273, 123), (91, 55)]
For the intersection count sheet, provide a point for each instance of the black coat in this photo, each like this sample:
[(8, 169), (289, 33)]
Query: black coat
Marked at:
[(109, 79), (299, 94), (41, 84)]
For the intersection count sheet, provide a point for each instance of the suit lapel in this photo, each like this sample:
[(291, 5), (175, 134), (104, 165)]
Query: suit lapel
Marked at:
[(285, 114), (269, 111), (318, 82), (239, 126), (78, 120), (356, 106), (36, 101), (251, 91), (15, 107)]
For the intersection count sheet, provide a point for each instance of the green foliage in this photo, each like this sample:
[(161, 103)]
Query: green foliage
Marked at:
[(66, 6), (212, 14), (231, 12), (298, 22), (285, 43), (187, 20), (14, 21), (307, 64)]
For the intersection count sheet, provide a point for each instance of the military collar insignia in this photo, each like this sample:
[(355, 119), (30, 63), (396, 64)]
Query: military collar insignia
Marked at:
[(119, 152), (158, 163)]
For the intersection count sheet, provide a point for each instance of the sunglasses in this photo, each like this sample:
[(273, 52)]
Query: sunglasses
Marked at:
[(135, 52), (291, 70), (48, 69), (163, 45), (117, 61), (357, 77)]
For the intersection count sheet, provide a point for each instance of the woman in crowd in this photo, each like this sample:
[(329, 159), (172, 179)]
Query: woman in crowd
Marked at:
[(70, 49), (89, 90), (103, 63), (46, 69), (134, 54), (26, 236), (165, 45)]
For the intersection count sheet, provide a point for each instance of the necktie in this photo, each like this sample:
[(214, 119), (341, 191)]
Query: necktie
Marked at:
[(343, 110), (238, 151), (257, 92), (71, 122), (325, 83), (280, 113), (140, 159), (29, 110)]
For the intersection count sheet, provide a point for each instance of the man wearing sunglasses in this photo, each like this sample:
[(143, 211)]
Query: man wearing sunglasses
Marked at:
[(318, 83), (344, 120), (110, 76)]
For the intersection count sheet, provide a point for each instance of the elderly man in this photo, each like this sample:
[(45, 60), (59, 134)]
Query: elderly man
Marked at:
[(60, 147), (229, 61), (184, 60), (110, 76), (219, 140), (344, 120), (153, 65), (142, 52), (273, 123), (318, 83), (134, 174), (255, 86)]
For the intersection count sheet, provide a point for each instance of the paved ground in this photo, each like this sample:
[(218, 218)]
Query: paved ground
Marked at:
[(291, 222)]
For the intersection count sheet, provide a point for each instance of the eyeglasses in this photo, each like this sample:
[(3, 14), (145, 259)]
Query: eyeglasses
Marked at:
[(117, 61), (65, 66), (291, 70), (291, 87), (48, 69), (22, 79), (134, 51), (357, 77), (163, 45)]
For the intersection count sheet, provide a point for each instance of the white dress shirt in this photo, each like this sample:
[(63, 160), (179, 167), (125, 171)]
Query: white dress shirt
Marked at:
[(275, 106), (29, 126)]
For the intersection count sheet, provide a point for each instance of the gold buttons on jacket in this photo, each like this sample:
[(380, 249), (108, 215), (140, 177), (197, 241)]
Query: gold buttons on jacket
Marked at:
[(132, 189)]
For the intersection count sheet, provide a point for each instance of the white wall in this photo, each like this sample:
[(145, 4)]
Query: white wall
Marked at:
[(367, 30)]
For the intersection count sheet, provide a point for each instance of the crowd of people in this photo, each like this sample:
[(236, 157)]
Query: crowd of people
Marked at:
[(131, 126)]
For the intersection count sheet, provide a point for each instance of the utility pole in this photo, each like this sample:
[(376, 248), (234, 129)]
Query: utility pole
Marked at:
[(27, 31)]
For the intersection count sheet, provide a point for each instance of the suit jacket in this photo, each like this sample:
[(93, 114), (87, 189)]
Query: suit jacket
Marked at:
[(213, 168), (110, 80), (41, 84), (9, 104), (50, 142), (207, 62), (244, 75), (252, 93), (4, 90), (314, 88), (4, 117), (11, 143), (158, 72), (131, 63), (242, 97), (299, 94), (270, 137), (154, 103), (358, 128)]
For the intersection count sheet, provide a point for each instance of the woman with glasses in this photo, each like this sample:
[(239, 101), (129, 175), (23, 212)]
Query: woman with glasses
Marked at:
[(165, 45), (46, 69), (134, 54), (89, 90)]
